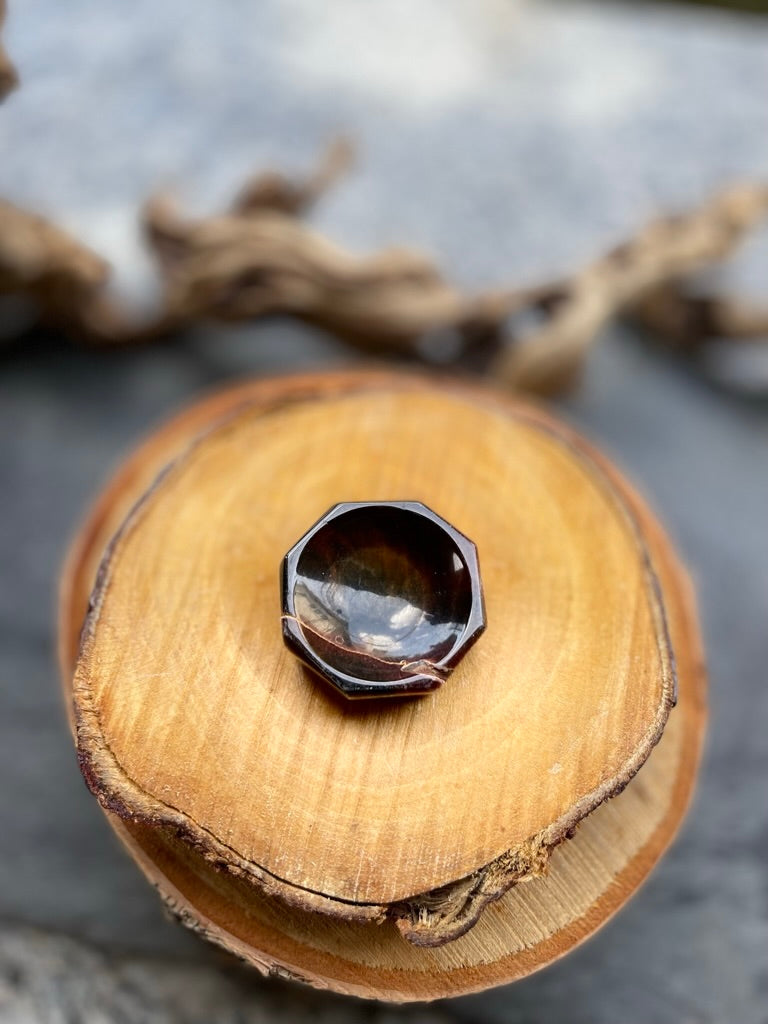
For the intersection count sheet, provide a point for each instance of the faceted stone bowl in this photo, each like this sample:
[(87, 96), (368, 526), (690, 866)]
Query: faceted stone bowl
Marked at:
[(382, 599)]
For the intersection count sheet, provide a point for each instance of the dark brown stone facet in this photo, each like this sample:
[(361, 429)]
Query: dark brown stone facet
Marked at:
[(382, 598)]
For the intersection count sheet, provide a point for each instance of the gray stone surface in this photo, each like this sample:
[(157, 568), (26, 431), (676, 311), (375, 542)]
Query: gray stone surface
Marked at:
[(514, 141), (58, 980)]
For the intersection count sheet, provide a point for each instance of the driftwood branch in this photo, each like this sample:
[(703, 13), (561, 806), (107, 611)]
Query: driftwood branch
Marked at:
[(688, 321), (258, 258), (661, 255), (8, 77), (272, 190), (39, 260)]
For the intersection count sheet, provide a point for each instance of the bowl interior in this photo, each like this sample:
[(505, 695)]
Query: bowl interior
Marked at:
[(380, 592)]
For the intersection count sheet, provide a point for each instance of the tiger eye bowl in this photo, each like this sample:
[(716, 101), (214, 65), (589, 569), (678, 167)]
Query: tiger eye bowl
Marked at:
[(382, 599)]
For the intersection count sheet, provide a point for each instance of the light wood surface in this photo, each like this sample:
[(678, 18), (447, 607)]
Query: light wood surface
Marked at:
[(560, 496)]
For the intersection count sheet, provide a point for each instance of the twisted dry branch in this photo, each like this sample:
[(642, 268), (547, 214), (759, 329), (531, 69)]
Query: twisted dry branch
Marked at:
[(8, 77), (687, 321), (258, 259), (656, 260)]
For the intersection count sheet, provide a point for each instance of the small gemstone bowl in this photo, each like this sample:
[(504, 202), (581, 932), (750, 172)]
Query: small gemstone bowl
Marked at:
[(382, 599)]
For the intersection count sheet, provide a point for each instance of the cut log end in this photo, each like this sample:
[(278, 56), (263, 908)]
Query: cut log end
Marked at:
[(244, 787)]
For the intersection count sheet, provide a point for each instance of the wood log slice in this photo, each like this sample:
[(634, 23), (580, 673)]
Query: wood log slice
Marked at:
[(413, 850)]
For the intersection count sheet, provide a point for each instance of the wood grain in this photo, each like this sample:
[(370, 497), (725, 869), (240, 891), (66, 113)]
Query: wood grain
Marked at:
[(588, 867)]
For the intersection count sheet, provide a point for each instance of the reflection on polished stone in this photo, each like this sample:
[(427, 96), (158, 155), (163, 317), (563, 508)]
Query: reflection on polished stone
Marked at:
[(382, 598)]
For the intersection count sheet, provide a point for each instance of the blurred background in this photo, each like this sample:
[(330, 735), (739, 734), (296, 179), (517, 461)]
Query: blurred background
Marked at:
[(513, 140)]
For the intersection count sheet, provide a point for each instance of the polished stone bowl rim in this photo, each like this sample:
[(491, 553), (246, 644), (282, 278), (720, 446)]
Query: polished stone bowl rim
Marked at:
[(354, 686)]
